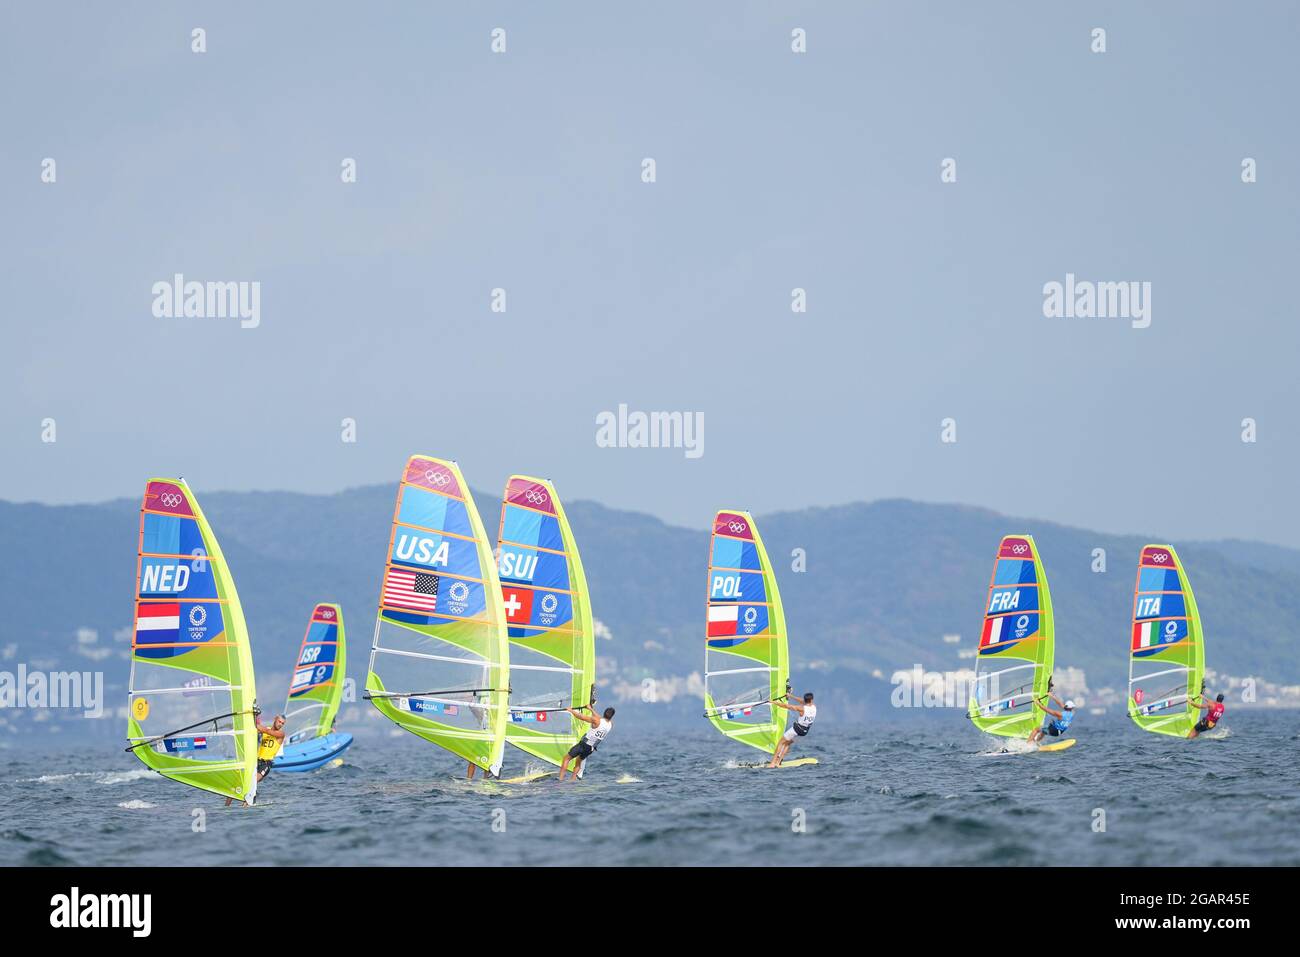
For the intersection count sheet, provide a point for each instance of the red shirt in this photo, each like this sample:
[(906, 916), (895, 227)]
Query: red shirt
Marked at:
[(1216, 712)]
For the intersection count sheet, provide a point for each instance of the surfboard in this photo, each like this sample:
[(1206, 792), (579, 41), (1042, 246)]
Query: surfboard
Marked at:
[(1026, 748), (796, 763), (526, 778), (313, 753)]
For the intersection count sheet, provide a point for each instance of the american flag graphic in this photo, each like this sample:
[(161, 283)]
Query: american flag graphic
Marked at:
[(411, 589)]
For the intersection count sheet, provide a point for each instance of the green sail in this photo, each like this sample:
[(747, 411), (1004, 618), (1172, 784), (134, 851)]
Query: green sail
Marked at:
[(1013, 665), (316, 688), (191, 690), (548, 611), (1166, 646), (440, 662), (746, 655)]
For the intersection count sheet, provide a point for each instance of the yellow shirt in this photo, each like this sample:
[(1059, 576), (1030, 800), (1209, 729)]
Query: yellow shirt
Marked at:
[(268, 747)]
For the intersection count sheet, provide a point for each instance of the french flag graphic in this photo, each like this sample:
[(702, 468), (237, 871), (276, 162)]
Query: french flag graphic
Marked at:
[(992, 632)]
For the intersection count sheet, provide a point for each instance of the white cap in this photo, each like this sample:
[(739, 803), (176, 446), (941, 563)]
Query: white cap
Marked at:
[(1069, 705)]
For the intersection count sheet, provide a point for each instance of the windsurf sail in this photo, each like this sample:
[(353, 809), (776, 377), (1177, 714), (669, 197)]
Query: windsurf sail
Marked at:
[(746, 657), (548, 614), (1017, 643), (440, 662), (1166, 665), (316, 688), (191, 692)]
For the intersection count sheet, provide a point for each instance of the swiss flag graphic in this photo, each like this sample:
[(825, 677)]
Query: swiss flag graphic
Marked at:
[(519, 605)]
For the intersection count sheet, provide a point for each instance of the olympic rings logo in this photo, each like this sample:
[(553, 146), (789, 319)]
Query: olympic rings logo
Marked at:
[(535, 496), (736, 527), (1159, 557), (436, 477), (1020, 548), (327, 613), (171, 499)]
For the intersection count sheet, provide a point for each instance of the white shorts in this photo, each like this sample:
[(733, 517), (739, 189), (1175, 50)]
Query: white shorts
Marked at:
[(790, 735)]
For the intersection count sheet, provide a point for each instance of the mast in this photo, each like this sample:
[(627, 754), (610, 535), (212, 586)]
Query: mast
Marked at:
[(1166, 646), (1017, 643), (746, 655), (549, 619), (191, 691), (440, 660), (316, 688)]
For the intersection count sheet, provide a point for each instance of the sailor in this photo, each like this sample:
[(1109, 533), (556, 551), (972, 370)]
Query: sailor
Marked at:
[(269, 741), (600, 728), (481, 716), (807, 713), (1058, 721), (1214, 711)]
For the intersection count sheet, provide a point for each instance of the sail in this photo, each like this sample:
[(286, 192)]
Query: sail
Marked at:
[(316, 688), (746, 658), (191, 693), (440, 662), (1017, 643), (1166, 665), (548, 612)]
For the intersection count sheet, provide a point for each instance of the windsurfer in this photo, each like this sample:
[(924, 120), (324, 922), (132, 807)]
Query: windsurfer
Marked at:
[(481, 716), (269, 741), (807, 713), (1214, 711), (600, 728), (1058, 721)]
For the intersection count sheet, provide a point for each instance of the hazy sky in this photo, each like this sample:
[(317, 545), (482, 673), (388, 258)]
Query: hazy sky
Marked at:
[(775, 170)]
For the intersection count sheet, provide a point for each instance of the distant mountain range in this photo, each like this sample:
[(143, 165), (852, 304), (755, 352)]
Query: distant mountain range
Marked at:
[(884, 583)]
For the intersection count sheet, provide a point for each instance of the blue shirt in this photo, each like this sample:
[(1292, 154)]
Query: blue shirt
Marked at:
[(1063, 722)]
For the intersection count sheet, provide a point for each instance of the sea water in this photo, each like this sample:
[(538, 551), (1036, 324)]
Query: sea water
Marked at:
[(925, 792)]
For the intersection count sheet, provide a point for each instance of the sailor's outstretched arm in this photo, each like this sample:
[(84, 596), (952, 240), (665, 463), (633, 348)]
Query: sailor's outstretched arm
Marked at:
[(591, 719)]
